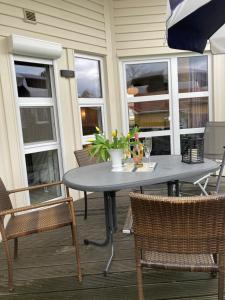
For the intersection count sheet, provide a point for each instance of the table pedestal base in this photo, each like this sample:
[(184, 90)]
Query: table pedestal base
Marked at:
[(173, 188), (111, 226)]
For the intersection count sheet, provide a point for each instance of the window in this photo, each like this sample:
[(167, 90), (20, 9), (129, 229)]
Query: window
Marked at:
[(39, 126), (167, 99), (147, 101), (90, 93)]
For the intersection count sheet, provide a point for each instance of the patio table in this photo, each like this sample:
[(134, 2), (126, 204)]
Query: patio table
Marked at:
[(100, 178)]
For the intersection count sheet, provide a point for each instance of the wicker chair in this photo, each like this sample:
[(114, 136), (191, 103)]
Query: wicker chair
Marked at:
[(58, 213), (84, 159), (179, 234)]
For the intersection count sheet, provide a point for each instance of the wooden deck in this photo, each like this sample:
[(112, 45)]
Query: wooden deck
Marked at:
[(45, 267)]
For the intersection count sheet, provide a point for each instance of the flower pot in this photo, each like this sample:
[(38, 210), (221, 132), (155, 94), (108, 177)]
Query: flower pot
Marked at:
[(116, 158)]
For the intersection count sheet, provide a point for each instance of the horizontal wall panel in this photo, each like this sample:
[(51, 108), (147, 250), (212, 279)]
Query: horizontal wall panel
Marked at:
[(100, 2), (140, 19), (70, 44), (146, 51), (57, 23), (51, 31), (55, 12), (147, 27), (64, 24), (140, 44), (137, 36), (140, 11), (73, 8), (140, 3), (86, 3), (139, 27)]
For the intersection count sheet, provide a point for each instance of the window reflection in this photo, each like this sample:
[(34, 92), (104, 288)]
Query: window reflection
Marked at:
[(43, 167), (160, 145), (33, 80), (193, 74), (193, 112), (149, 115), (88, 78), (147, 79), (37, 124), (91, 117)]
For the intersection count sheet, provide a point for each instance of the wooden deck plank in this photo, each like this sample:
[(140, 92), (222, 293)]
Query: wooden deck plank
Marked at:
[(46, 265)]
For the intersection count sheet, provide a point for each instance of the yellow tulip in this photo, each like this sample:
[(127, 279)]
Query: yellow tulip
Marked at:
[(97, 129), (91, 140), (114, 133), (128, 135)]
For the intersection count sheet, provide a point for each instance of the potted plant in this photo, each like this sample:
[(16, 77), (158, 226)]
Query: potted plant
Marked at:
[(116, 147), (113, 148)]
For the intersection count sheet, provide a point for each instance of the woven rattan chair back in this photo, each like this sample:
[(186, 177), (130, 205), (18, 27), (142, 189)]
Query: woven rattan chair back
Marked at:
[(84, 159), (179, 225), (185, 234), (5, 202)]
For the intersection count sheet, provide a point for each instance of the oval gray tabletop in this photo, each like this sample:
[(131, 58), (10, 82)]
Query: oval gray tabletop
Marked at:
[(100, 178)]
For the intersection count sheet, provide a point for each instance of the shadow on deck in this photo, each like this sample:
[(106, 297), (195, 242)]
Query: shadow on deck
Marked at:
[(45, 267)]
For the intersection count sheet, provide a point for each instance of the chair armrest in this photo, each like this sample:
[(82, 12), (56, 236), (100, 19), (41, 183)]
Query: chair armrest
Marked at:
[(30, 188), (39, 205)]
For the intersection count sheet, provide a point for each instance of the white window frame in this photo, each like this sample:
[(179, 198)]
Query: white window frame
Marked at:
[(92, 102), (35, 147), (173, 96)]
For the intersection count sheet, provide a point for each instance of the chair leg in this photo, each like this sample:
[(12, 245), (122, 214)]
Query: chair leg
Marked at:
[(221, 260), (221, 285), (85, 205), (76, 245), (15, 248), (10, 265), (75, 240), (139, 277)]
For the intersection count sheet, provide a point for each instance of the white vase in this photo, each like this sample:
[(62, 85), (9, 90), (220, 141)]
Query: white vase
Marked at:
[(116, 158)]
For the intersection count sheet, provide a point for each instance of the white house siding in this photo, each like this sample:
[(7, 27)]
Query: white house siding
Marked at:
[(140, 27), (77, 24)]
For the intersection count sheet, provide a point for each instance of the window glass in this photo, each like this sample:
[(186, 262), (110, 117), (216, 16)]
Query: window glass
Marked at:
[(147, 79), (193, 112), (91, 117), (160, 145), (149, 115), (88, 78), (33, 80), (193, 74), (37, 124), (43, 167)]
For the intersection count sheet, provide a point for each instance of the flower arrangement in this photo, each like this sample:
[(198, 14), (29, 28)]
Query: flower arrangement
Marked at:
[(101, 146)]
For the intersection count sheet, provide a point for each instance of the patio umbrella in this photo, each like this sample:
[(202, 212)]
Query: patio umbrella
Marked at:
[(191, 23)]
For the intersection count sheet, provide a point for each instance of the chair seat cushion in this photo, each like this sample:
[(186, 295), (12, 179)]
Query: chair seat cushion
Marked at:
[(188, 262), (38, 220)]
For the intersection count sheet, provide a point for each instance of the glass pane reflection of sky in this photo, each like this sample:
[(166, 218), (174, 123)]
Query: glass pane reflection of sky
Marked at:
[(88, 78)]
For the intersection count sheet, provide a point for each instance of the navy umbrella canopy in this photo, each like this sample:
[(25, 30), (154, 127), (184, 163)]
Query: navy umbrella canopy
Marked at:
[(191, 23)]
